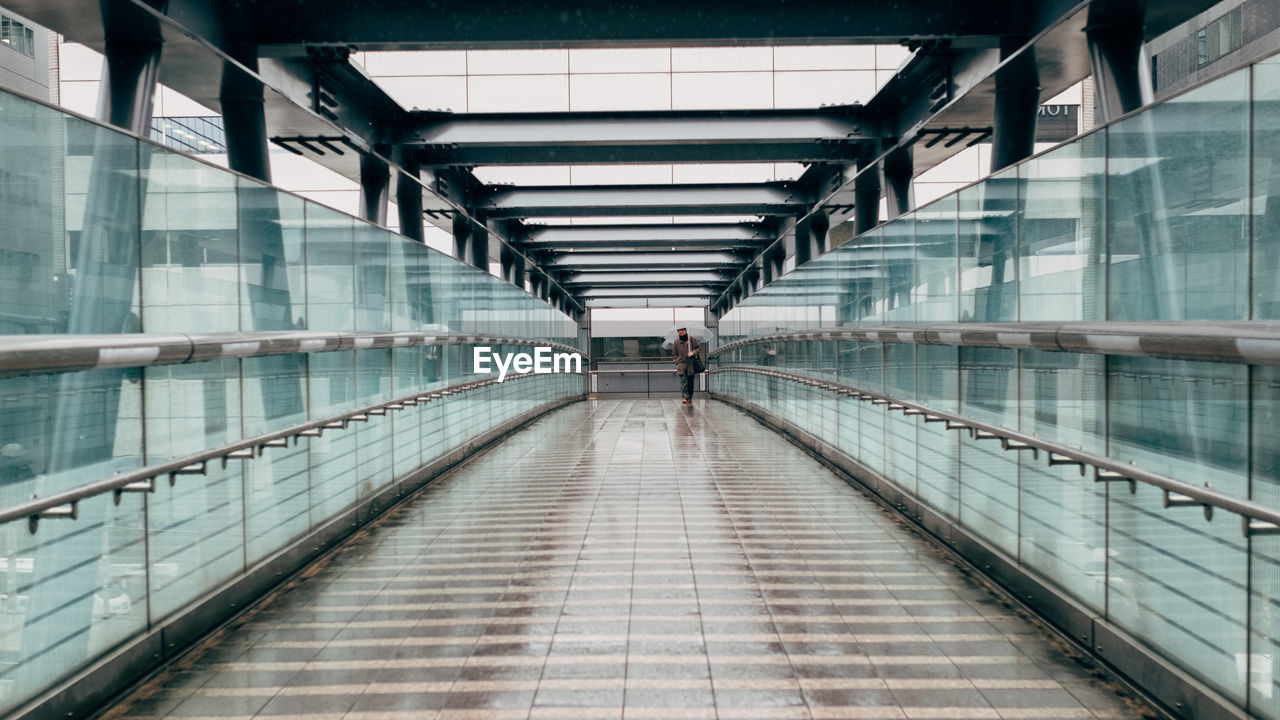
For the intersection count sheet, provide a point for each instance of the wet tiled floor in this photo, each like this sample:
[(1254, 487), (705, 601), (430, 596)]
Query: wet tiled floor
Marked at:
[(633, 559)]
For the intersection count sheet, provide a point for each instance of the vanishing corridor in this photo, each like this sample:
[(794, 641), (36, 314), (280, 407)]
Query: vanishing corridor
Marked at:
[(638, 559)]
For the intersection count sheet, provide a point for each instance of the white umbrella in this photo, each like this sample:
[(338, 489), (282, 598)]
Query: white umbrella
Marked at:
[(703, 334)]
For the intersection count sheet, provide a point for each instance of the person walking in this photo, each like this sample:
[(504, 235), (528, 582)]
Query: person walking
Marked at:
[(685, 353)]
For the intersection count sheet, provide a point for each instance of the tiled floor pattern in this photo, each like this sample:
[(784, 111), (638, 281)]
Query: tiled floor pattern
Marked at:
[(633, 559)]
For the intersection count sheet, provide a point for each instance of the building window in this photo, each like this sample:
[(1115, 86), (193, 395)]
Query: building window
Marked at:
[(1220, 37), (17, 36)]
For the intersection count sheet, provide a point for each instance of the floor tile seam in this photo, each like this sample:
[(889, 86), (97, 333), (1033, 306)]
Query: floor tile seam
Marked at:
[(717, 485), (854, 638), (476, 642), (702, 629), (585, 449), (830, 479), (635, 544)]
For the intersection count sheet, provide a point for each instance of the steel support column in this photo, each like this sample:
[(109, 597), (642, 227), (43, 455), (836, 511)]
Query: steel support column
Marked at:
[(375, 182), (409, 197), (866, 193), (1017, 105), (462, 230), (479, 248), (131, 66), (898, 169), (244, 119), (1121, 81)]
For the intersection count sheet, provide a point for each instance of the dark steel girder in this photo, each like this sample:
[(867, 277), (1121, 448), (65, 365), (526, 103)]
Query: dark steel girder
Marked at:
[(644, 292), (446, 24), (656, 278), (632, 200), (948, 86), (644, 260), (637, 238), (802, 136)]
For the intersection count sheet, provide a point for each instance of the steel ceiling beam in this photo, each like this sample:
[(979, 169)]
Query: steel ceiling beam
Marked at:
[(656, 278), (632, 260), (631, 292), (647, 238), (802, 136), (613, 200), (457, 24)]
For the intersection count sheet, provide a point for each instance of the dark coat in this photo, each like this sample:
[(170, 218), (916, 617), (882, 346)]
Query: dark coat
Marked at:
[(680, 354)]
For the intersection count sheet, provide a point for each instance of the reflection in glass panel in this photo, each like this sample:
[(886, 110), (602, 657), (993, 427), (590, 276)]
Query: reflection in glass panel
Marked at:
[(1061, 212), (277, 483), (272, 273), (1063, 517), (1177, 205), (1181, 418), (988, 474), (1266, 190), (103, 226), (1264, 682), (900, 430), (332, 389), (988, 240), (190, 254), (195, 526), (33, 274), (900, 270), (937, 285), (74, 590), (331, 285), (938, 467), (1178, 582), (862, 278), (61, 431), (373, 296), (373, 438)]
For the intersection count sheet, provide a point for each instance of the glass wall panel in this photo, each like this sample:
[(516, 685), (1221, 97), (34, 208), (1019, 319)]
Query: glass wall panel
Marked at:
[(988, 474), (1179, 583), (1181, 418), (1063, 512), (272, 267), (1177, 207), (1061, 225), (938, 468), (190, 245), (1266, 189), (899, 250), (372, 273), (33, 259), (103, 193), (195, 526), (331, 278), (937, 287), (988, 240), (900, 430)]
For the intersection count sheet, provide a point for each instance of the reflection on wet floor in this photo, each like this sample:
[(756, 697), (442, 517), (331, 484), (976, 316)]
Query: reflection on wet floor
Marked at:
[(637, 559)]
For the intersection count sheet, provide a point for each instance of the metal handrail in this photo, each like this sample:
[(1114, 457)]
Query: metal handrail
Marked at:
[(43, 354), (65, 504), (1254, 343), (1256, 519)]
